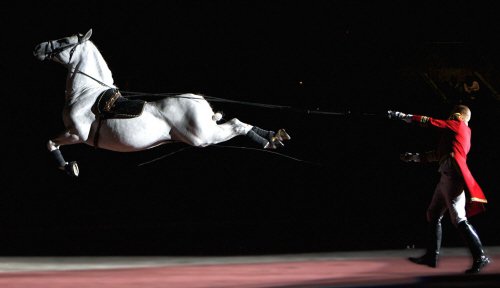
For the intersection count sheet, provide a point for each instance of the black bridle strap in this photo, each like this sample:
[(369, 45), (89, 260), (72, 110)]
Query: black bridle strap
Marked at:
[(72, 52)]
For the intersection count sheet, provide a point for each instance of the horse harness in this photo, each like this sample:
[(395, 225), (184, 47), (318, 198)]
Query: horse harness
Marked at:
[(112, 105)]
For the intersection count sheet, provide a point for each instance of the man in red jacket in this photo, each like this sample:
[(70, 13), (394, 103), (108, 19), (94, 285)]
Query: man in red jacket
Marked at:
[(450, 193)]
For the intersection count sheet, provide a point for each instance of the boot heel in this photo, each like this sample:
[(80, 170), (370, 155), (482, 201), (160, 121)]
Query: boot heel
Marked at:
[(478, 264)]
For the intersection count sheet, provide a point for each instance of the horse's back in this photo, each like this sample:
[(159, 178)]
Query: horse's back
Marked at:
[(177, 118)]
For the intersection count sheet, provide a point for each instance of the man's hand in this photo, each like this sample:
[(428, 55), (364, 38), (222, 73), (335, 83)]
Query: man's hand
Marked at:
[(399, 116), (410, 157)]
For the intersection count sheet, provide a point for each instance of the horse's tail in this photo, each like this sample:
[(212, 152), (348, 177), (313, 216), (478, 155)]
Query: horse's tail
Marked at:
[(217, 116)]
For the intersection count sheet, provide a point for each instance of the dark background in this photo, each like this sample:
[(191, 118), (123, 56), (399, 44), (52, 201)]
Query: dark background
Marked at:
[(337, 185)]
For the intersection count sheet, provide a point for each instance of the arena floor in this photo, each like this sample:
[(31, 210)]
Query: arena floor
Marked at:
[(387, 268)]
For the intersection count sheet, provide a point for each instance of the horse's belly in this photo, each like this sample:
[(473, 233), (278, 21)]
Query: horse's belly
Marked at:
[(135, 134)]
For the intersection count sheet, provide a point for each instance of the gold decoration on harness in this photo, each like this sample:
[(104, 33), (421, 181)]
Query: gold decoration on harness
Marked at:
[(111, 102)]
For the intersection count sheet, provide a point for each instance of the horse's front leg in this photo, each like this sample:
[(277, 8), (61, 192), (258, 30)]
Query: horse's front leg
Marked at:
[(67, 138)]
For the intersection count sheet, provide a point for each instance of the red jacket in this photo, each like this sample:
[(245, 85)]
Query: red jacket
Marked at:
[(455, 141)]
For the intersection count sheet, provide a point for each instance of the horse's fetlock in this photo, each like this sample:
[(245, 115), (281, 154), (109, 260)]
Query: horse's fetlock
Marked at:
[(52, 146)]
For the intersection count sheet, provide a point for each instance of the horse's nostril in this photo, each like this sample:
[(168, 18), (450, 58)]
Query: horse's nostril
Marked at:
[(39, 52)]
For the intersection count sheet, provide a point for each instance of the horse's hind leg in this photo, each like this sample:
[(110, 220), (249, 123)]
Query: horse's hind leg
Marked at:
[(268, 139), (234, 127), (64, 139), (260, 136)]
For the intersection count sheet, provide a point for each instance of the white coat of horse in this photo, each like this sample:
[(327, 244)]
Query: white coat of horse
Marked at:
[(186, 117)]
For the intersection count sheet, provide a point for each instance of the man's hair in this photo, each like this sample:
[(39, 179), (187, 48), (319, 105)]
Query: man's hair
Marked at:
[(463, 111)]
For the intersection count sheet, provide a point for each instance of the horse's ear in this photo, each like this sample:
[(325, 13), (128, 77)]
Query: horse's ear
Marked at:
[(86, 36)]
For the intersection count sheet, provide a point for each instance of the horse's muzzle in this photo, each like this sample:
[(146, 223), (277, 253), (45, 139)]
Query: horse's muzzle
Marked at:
[(41, 51)]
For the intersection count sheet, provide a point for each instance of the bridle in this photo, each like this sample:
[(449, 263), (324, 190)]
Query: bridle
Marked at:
[(56, 51)]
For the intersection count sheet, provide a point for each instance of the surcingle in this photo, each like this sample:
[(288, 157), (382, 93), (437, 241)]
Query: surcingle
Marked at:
[(111, 104)]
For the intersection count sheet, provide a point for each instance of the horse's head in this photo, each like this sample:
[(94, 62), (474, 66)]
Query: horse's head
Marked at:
[(82, 59), (61, 49)]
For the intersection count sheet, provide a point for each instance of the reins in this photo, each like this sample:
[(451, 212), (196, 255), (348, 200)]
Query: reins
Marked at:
[(130, 94), (133, 94)]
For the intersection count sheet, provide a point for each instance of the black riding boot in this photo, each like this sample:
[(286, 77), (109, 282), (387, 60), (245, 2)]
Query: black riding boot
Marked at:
[(476, 248), (434, 236)]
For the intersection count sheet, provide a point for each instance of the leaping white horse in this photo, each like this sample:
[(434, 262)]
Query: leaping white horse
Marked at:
[(95, 113)]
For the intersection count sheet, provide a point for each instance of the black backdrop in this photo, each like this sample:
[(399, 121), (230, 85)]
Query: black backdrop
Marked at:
[(337, 185)]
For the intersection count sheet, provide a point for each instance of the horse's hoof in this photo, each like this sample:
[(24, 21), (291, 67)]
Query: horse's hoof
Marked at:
[(273, 144), (277, 139), (270, 145), (281, 135), (277, 143), (71, 169)]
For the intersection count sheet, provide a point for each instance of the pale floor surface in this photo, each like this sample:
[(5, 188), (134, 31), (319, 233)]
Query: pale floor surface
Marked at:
[(61, 263)]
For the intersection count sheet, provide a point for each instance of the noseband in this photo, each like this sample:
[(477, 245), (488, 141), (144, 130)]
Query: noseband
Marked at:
[(59, 50)]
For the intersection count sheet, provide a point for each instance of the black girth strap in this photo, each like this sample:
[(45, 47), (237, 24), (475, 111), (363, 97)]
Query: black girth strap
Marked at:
[(112, 105)]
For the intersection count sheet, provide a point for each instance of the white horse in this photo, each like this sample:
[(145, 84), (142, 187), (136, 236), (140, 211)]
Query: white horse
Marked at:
[(95, 113)]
